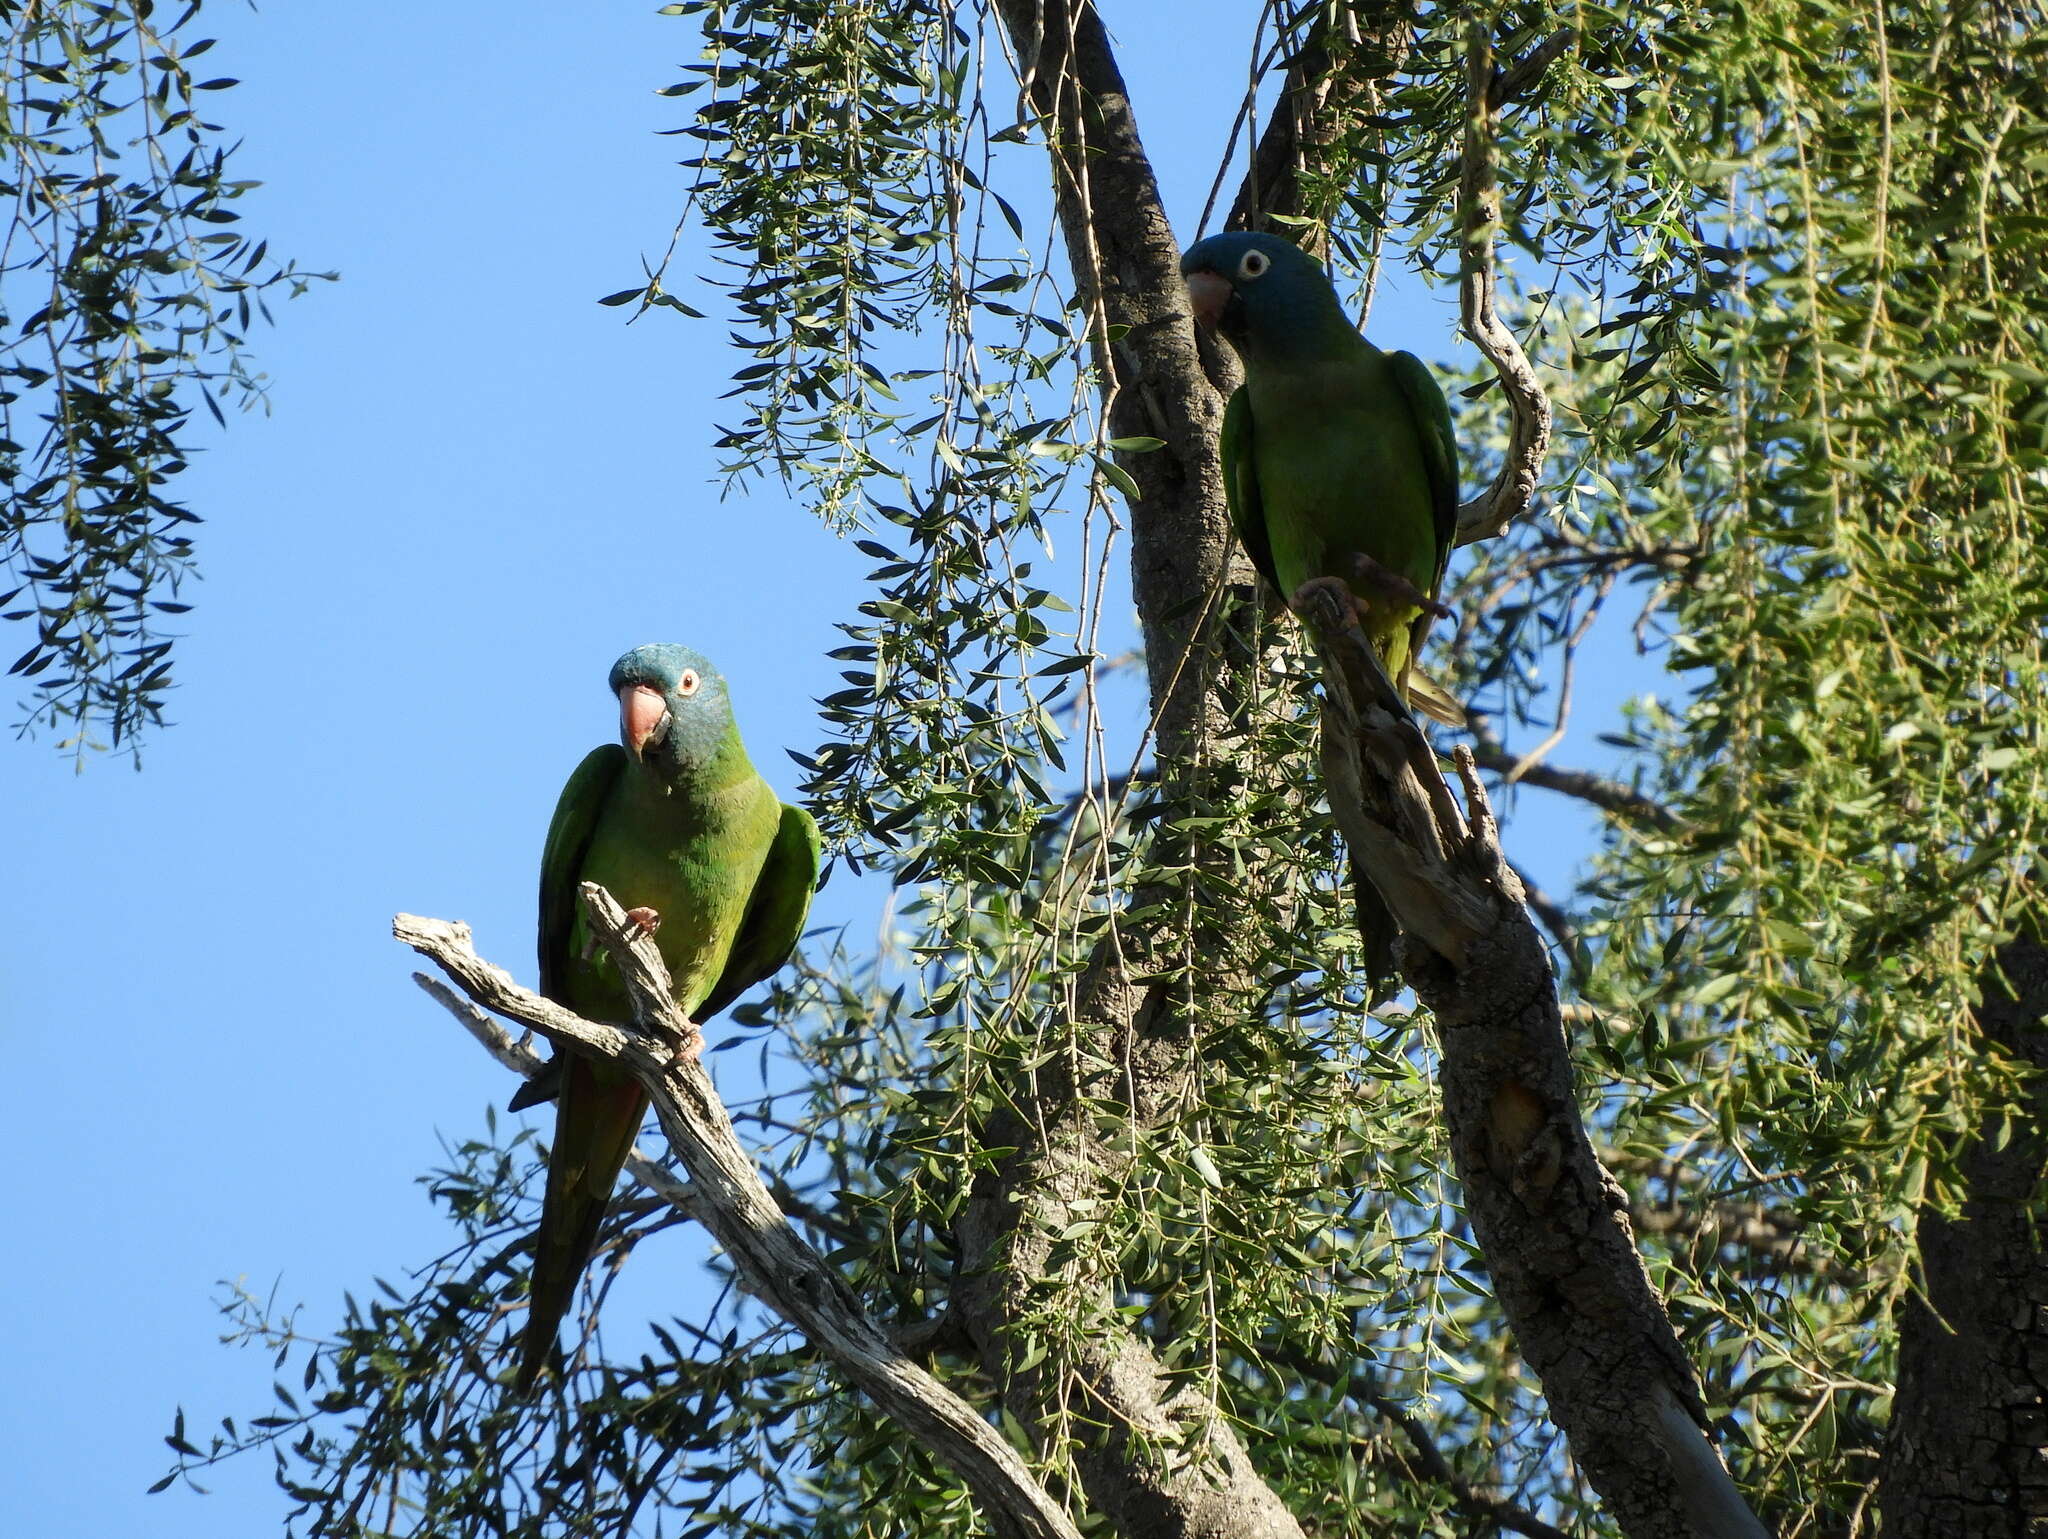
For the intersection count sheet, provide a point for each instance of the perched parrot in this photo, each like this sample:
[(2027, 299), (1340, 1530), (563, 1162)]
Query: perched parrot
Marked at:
[(1338, 458), (678, 827), (1339, 467)]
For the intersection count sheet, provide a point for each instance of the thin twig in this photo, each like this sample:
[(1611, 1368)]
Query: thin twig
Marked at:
[(1430, 1461), (520, 1056), (1608, 795)]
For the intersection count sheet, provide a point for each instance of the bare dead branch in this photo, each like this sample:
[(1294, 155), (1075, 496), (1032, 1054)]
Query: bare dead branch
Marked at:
[(778, 1265), (520, 1056), (1478, 290), (516, 1053)]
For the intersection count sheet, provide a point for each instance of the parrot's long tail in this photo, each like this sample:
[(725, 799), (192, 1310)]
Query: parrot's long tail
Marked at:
[(595, 1126), (1431, 698), (1376, 933), (542, 1087)]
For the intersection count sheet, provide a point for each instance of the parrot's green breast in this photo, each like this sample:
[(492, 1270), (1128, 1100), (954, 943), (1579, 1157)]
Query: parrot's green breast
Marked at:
[(694, 860), (1334, 450)]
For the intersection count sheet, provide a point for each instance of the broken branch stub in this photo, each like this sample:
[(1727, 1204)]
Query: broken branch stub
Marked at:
[(1443, 876)]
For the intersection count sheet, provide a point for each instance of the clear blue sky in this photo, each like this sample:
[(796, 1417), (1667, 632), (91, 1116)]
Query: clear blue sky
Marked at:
[(476, 489)]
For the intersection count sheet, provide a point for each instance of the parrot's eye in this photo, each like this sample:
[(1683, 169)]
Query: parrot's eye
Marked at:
[(687, 684), (1254, 265)]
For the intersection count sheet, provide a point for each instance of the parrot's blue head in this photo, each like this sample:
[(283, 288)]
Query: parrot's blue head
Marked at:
[(1264, 294), (674, 713)]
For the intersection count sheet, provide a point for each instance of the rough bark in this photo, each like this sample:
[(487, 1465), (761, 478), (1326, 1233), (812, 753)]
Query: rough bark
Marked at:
[(1551, 1223), (1967, 1452), (729, 1197), (1157, 382)]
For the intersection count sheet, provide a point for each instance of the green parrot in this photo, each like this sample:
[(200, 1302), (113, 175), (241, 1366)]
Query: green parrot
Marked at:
[(1338, 459), (676, 825), (1340, 469)]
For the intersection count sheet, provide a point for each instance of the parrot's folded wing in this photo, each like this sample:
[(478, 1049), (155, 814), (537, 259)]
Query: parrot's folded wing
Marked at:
[(775, 913)]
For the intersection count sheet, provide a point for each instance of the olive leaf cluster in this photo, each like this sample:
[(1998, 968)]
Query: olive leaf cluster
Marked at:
[(1784, 266), (125, 298)]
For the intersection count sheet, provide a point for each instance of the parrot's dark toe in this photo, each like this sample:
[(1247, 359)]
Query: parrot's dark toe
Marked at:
[(1329, 597), (1393, 585)]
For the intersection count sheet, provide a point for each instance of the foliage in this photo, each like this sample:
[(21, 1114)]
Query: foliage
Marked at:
[(125, 298), (1811, 410), (1782, 273)]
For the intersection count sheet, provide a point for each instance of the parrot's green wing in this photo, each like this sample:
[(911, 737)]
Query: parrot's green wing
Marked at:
[(775, 913), (1432, 416), (1241, 486), (561, 858), (561, 861)]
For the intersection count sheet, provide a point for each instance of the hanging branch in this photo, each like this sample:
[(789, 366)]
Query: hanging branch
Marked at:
[(776, 1264), (1479, 216)]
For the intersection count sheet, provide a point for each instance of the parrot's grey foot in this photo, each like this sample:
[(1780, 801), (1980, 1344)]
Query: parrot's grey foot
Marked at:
[(1328, 604), (1392, 585), (645, 920), (691, 1048), (1327, 599)]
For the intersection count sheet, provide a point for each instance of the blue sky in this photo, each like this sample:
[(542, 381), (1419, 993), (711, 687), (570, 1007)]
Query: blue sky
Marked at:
[(475, 489)]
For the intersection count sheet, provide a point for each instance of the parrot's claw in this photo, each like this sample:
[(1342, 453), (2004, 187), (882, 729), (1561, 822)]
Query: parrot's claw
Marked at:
[(1329, 604), (1393, 585), (645, 920), (691, 1048), (1329, 595)]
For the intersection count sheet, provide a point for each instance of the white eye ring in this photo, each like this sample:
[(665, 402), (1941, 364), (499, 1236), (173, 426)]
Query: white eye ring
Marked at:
[(687, 684), (1254, 265)]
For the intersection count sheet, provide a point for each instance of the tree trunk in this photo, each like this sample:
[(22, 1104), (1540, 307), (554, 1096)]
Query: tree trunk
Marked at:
[(1967, 1453)]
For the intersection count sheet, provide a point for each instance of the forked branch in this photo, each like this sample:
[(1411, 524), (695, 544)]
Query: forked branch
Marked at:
[(776, 1264)]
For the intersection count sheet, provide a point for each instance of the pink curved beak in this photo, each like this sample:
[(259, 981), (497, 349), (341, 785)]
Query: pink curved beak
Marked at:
[(1208, 294), (640, 715)]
